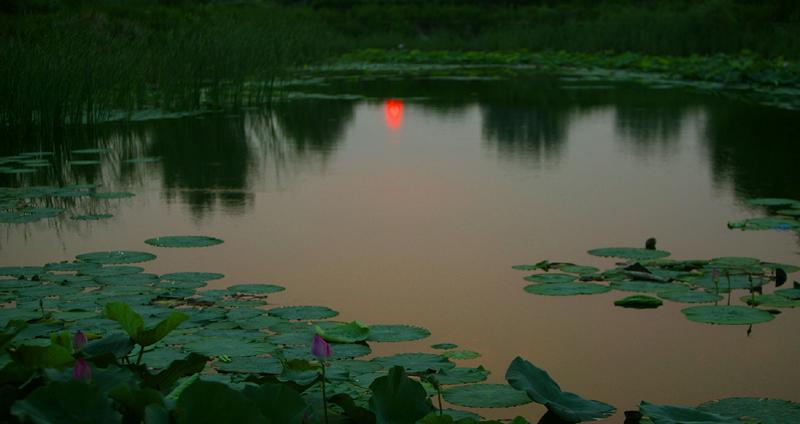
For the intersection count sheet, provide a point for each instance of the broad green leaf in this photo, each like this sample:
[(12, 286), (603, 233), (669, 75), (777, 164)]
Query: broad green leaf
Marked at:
[(668, 414), (639, 302), (116, 257), (550, 278), (396, 333), (566, 289), (52, 356), (755, 410), (686, 296), (209, 402), (165, 379), (541, 388), (416, 362), (70, 402), (153, 335), (278, 403), (485, 396), (192, 276), (183, 241), (629, 253), (646, 286), (397, 399), (303, 312), (730, 315), (131, 322), (251, 365), (255, 289), (444, 346), (462, 375), (770, 301), (351, 332), (461, 354)]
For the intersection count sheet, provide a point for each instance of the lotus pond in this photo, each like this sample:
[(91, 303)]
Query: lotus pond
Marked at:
[(435, 218)]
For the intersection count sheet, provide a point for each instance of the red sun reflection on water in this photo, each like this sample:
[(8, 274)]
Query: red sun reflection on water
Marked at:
[(393, 111)]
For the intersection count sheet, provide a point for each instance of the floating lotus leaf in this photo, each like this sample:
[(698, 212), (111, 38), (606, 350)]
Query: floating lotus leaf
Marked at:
[(139, 279), (785, 267), (116, 257), (258, 323), (578, 269), (162, 357), (14, 284), (357, 367), (444, 346), (192, 276), (461, 354), (416, 362), (183, 241), (566, 289), (257, 289), (646, 286), (72, 401), (70, 266), (92, 217), (457, 415), (639, 302), (629, 253), (231, 346), (339, 351), (789, 212), (84, 162), (553, 278), (729, 315), (251, 365), (112, 195), (793, 294), (241, 314), (303, 312), (765, 223), (737, 282), (772, 201), (144, 159), (350, 332), (668, 414), (396, 333), (108, 271), (462, 375), (770, 301), (97, 150), (485, 396), (755, 410), (686, 296), (539, 386), (26, 271), (300, 338)]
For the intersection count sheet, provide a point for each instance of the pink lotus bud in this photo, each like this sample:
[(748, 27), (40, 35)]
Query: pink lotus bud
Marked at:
[(320, 348), (78, 341), (82, 370)]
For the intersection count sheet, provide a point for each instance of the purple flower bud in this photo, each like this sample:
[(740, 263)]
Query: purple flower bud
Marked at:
[(320, 348), (78, 341), (82, 370)]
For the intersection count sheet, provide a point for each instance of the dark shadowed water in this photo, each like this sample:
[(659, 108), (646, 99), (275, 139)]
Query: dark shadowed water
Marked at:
[(413, 210)]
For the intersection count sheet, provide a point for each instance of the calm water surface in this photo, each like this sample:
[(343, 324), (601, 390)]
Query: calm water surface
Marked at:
[(412, 210)]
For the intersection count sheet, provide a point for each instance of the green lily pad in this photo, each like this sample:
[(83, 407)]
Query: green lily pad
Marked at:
[(396, 333), (566, 289), (539, 386), (462, 375), (793, 294), (140, 279), (92, 217), (14, 284), (789, 212), (231, 346), (25, 271), (461, 354), (108, 271), (770, 301), (112, 195), (669, 414), (765, 223), (788, 268), (251, 365), (646, 286), (755, 410), (84, 162), (338, 351), (772, 201), (687, 296), (485, 396), (257, 289), (553, 278), (303, 312), (183, 241), (578, 269), (73, 401), (350, 332), (729, 315), (639, 302), (629, 253), (116, 257), (444, 346), (192, 276), (416, 362)]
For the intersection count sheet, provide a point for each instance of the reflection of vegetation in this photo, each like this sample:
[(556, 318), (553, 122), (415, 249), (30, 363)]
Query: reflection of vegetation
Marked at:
[(312, 125)]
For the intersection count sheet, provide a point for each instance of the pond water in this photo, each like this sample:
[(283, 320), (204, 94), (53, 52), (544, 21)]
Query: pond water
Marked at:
[(408, 199)]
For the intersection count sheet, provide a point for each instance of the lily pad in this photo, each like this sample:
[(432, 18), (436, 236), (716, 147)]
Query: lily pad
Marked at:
[(461, 354), (444, 346), (84, 162), (770, 301), (116, 257), (25, 271), (192, 276), (338, 351), (396, 333), (793, 293), (462, 375), (351, 332), (485, 396), (107, 271), (251, 365), (755, 410), (729, 315), (303, 312), (646, 286), (668, 414), (258, 289), (566, 289), (416, 362), (629, 253), (231, 346), (687, 296), (553, 278), (578, 269), (765, 223), (639, 302), (183, 241), (539, 386)]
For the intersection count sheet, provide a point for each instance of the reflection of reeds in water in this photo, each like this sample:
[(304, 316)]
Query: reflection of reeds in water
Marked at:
[(83, 69)]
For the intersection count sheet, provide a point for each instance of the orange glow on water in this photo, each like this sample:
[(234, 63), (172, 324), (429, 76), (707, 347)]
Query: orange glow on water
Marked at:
[(393, 111)]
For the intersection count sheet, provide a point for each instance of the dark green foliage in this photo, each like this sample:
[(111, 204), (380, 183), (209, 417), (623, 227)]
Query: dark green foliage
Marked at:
[(398, 399), (210, 402), (70, 402)]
